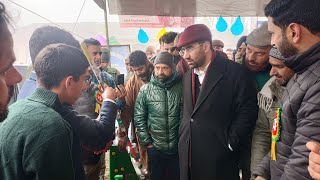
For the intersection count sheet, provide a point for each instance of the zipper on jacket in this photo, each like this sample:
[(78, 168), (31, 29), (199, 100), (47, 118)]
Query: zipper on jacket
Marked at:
[(167, 123)]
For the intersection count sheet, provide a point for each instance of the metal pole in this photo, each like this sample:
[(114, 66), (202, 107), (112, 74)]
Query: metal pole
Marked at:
[(106, 24)]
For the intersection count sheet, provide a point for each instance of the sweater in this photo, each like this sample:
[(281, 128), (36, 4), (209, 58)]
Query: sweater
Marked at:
[(35, 141)]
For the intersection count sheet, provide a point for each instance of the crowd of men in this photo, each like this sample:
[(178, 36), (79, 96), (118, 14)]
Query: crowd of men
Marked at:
[(195, 111)]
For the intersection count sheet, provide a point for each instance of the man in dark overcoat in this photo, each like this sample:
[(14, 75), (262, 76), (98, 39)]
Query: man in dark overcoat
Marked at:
[(219, 110)]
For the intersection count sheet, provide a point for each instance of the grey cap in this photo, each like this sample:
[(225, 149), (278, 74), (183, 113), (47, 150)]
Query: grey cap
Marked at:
[(274, 52), (260, 37), (165, 58)]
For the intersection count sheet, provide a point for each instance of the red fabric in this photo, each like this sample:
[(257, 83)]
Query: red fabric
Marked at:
[(182, 67), (193, 86), (194, 33)]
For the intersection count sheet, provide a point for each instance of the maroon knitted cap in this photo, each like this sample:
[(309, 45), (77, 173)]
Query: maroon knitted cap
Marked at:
[(194, 33)]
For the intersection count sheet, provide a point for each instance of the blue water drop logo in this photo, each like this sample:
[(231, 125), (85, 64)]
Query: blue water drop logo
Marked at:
[(237, 27), (142, 36), (222, 25)]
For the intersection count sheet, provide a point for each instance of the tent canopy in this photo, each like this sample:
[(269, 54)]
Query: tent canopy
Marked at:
[(186, 8)]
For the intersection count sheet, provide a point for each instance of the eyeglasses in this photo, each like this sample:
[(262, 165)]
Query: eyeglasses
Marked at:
[(95, 53), (188, 49)]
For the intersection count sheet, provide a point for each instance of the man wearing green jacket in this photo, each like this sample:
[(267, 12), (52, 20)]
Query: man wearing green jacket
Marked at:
[(157, 118)]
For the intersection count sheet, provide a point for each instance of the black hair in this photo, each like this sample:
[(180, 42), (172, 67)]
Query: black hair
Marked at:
[(4, 17), (137, 58), (92, 42), (211, 45), (47, 35), (168, 37), (285, 12), (160, 40), (57, 61)]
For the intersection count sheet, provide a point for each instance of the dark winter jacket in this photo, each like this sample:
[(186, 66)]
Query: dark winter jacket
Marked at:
[(223, 116), (157, 114), (300, 120), (90, 133), (86, 105)]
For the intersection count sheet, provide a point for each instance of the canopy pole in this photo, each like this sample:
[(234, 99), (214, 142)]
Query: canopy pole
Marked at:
[(106, 25)]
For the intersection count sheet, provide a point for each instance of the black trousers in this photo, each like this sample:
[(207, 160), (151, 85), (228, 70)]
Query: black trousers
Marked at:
[(163, 166)]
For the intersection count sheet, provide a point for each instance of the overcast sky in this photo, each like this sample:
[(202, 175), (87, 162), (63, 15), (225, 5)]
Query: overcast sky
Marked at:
[(55, 10)]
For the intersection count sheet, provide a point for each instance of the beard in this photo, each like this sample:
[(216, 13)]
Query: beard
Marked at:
[(283, 82), (163, 78), (143, 76), (285, 48), (199, 62), (4, 109), (97, 62), (284, 79), (146, 76), (254, 67)]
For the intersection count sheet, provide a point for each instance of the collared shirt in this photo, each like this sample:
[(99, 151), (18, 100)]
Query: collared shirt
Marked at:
[(201, 74), (29, 86)]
